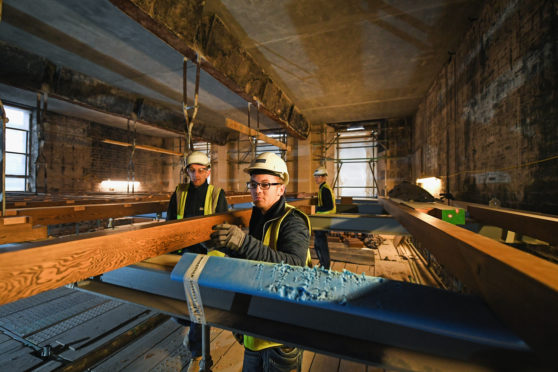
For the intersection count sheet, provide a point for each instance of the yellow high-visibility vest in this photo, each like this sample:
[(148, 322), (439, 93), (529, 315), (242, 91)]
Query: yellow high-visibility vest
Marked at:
[(210, 204), (270, 239), (321, 202)]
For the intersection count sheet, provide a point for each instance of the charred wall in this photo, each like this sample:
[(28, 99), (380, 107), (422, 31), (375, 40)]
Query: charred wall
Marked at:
[(77, 160), (488, 125)]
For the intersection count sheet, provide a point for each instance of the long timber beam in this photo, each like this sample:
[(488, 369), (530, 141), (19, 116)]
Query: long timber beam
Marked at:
[(49, 200), (543, 227), (32, 268), (77, 213), (521, 289), (442, 330), (357, 223)]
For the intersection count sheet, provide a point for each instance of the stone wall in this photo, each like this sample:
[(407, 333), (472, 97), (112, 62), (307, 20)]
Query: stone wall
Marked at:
[(394, 164), (77, 160), (488, 125)]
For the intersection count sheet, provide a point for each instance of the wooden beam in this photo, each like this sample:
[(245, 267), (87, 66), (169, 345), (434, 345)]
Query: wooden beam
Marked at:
[(77, 213), (239, 199), (19, 229), (143, 147), (235, 125), (35, 267), (543, 227), (61, 200), (521, 288)]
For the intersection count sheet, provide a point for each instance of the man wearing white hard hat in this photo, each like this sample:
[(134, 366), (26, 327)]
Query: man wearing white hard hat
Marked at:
[(326, 205), (196, 198), (278, 233)]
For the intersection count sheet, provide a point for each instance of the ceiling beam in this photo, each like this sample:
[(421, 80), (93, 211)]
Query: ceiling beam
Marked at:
[(28, 71), (143, 147), (183, 25), (236, 126)]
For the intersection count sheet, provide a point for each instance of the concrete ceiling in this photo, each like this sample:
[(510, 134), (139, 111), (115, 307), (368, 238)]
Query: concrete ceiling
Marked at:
[(350, 60), (336, 60)]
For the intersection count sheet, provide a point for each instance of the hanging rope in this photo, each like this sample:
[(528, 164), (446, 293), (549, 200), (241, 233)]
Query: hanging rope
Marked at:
[(4, 122), (136, 114), (186, 118), (190, 120), (253, 140), (42, 99), (131, 166)]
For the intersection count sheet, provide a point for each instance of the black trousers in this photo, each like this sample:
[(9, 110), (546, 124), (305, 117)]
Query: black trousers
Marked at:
[(322, 250), (273, 359)]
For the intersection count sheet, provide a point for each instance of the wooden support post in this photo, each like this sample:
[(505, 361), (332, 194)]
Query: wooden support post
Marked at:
[(521, 288)]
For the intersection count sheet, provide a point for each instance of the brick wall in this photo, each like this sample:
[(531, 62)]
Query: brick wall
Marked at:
[(394, 165), (77, 160), (489, 123)]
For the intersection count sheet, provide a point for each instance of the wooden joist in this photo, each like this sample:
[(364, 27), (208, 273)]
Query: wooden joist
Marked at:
[(235, 125), (19, 229), (35, 267), (143, 147), (521, 288), (77, 213), (61, 200), (543, 227)]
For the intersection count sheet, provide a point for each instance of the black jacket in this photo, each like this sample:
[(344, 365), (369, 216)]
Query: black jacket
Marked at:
[(195, 202), (327, 200), (292, 243)]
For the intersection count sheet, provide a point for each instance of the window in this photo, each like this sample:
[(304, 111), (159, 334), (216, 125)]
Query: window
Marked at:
[(356, 152), (17, 148)]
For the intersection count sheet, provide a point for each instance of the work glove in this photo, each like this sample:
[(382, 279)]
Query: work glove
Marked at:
[(227, 236), (239, 337)]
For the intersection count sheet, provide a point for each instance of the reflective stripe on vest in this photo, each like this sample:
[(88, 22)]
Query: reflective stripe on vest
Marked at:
[(270, 239), (209, 206), (321, 202)]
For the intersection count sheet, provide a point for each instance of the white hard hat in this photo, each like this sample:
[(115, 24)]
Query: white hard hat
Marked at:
[(269, 163), (321, 171), (198, 157)]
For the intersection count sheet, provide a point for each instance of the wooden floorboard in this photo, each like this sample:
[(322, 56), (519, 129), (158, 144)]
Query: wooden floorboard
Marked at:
[(307, 359), (139, 348), (167, 355), (231, 359), (324, 363), (350, 366), (18, 359)]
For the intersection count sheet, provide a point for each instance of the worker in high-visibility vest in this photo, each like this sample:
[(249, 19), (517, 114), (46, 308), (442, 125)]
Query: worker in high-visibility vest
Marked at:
[(196, 198), (326, 205), (278, 232)]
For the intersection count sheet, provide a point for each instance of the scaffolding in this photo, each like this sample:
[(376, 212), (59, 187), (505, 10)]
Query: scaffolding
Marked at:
[(347, 139)]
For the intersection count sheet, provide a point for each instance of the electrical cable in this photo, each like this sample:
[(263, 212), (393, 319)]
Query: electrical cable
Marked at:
[(505, 168)]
